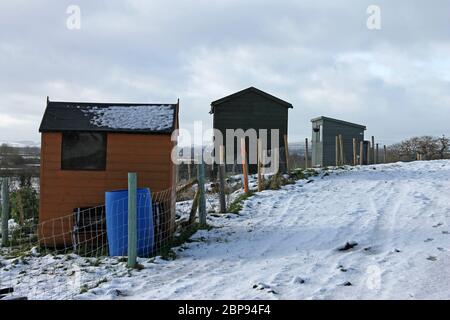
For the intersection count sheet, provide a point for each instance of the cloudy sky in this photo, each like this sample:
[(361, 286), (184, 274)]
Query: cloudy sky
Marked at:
[(317, 54)]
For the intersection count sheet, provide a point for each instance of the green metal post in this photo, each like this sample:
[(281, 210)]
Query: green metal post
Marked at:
[(201, 190), (5, 212), (132, 220)]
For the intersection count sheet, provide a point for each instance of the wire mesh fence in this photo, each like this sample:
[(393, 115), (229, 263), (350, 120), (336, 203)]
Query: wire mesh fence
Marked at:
[(66, 256)]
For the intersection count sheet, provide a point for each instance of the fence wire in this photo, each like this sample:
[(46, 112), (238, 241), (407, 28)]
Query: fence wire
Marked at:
[(64, 257)]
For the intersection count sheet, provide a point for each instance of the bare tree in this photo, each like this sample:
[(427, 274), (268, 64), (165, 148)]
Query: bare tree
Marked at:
[(444, 144), (427, 146)]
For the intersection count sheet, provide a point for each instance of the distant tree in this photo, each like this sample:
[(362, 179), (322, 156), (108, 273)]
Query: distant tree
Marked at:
[(9, 156), (444, 144), (427, 146), (24, 200)]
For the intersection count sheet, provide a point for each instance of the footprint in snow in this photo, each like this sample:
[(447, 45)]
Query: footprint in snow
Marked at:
[(298, 280), (342, 269), (438, 225), (263, 286), (431, 258), (346, 284), (116, 293), (429, 240), (348, 246), (445, 232)]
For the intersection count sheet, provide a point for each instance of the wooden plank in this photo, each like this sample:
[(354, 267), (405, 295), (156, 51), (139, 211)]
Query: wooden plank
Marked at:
[(337, 151), (286, 150), (244, 165), (361, 153), (306, 153)]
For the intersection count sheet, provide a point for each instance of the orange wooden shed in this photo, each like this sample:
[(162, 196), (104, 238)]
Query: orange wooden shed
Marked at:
[(89, 148)]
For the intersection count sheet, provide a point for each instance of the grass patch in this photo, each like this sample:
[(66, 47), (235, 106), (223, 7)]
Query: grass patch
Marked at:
[(167, 252), (236, 205)]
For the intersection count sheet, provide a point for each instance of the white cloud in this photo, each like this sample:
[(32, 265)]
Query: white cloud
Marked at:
[(316, 54)]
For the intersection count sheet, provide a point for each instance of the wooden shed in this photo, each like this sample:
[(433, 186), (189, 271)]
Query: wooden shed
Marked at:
[(252, 108), (324, 132), (88, 149)]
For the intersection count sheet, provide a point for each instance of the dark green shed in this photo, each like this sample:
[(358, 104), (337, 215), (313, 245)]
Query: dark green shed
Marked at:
[(252, 108), (324, 132)]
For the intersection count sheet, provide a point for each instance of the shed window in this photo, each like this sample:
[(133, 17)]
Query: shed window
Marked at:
[(83, 151)]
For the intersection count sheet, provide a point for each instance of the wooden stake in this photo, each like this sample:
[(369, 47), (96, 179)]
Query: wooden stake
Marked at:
[(361, 153), (223, 207), (385, 154), (286, 151), (341, 150), (376, 155), (306, 154), (259, 157), (5, 211), (354, 152), (244, 165), (194, 208), (373, 149), (189, 170), (201, 193), (337, 151), (368, 153)]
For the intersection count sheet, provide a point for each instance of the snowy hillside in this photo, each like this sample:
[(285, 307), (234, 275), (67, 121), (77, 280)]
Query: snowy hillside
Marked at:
[(361, 233), (291, 244)]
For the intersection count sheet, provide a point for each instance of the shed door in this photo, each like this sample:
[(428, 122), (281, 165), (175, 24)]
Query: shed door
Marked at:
[(317, 146)]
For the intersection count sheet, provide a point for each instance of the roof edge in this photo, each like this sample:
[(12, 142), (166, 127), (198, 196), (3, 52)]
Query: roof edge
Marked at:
[(168, 131), (339, 121), (250, 89)]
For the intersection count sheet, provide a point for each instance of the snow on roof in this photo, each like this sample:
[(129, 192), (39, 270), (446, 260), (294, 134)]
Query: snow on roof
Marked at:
[(109, 117), (142, 117)]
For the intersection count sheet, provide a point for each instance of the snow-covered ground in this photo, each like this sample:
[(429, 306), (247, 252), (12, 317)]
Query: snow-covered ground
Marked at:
[(370, 232)]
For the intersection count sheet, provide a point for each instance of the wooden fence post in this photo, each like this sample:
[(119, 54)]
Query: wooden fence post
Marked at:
[(376, 155), (259, 157), (373, 149), (286, 151), (368, 153), (354, 152), (276, 160), (201, 193), (361, 153), (132, 220), (341, 150), (244, 164), (306, 154), (385, 154), (337, 151), (223, 207), (5, 212), (189, 170)]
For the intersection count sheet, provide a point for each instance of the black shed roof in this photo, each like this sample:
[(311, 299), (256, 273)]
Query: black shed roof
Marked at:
[(251, 89), (350, 124), (109, 117)]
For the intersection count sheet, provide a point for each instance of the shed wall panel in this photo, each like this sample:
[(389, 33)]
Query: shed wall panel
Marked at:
[(63, 191)]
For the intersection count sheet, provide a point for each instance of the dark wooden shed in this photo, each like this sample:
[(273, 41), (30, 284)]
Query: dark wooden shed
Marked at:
[(324, 132), (252, 108), (88, 149)]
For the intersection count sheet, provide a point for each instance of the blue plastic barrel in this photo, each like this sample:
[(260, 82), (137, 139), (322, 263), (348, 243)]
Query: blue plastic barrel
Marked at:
[(116, 203)]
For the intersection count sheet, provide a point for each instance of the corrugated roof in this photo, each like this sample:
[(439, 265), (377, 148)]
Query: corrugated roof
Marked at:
[(339, 121), (109, 117), (251, 89)]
